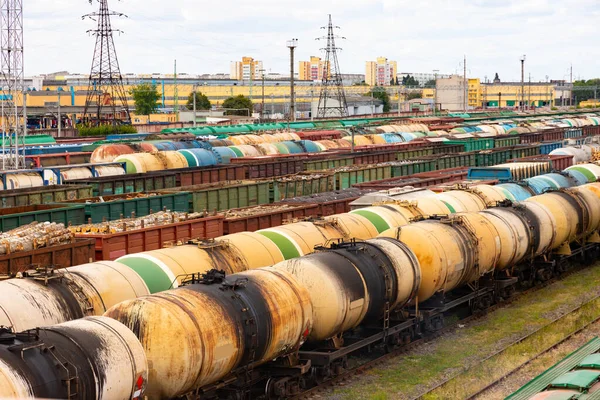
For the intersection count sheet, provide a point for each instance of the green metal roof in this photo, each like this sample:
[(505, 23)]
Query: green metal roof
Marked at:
[(580, 380), (590, 362), (562, 395), (542, 381)]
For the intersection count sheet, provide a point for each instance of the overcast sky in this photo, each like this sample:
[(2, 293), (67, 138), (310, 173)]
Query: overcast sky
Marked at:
[(422, 35)]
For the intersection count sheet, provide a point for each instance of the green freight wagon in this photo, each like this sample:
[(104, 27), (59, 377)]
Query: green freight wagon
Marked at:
[(319, 165), (43, 195), (473, 144), (527, 150), (301, 185), (414, 167), (456, 160), (111, 208), (493, 157), (226, 195), (345, 178), (131, 183), (14, 217), (414, 153), (507, 140)]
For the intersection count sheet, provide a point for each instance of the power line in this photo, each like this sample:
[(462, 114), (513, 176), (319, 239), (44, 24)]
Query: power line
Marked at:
[(332, 81), (105, 83)]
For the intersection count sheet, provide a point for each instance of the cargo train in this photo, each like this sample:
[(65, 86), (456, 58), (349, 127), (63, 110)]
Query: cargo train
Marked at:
[(272, 330), (89, 289)]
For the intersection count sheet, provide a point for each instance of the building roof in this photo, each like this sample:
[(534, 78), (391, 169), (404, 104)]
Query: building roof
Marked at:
[(362, 100)]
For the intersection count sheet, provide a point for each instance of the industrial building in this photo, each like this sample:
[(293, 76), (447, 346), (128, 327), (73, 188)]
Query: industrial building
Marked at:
[(357, 105), (381, 72), (456, 94)]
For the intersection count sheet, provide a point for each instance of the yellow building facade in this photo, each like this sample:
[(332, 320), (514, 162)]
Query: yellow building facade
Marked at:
[(247, 69), (313, 70), (512, 94), (380, 72)]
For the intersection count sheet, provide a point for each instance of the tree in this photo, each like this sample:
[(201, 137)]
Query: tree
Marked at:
[(414, 95), (409, 81), (145, 97), (380, 93), (430, 83), (584, 90), (496, 78), (202, 101), (240, 104)]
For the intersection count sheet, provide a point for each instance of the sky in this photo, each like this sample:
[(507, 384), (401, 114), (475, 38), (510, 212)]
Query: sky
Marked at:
[(205, 36)]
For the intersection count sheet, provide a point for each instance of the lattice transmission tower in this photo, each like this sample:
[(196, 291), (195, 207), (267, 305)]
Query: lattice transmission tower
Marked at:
[(14, 121), (106, 101), (332, 87)]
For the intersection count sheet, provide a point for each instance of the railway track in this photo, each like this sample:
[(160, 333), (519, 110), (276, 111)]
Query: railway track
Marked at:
[(369, 364), (456, 379)]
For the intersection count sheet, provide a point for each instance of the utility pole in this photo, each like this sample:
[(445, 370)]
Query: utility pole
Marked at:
[(59, 116), (435, 72), (292, 44), (529, 92), (485, 88), (175, 95), (548, 98), (466, 92), (262, 106), (194, 89), (523, 83), (572, 92)]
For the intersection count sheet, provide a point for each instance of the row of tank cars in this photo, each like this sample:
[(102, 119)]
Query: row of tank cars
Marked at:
[(277, 309), (113, 158)]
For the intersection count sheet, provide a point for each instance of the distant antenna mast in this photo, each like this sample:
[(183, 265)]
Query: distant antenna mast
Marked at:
[(332, 86), (13, 110), (106, 100)]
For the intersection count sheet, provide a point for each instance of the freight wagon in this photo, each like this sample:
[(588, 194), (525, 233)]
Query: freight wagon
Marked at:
[(111, 208), (78, 252), (225, 195), (114, 245), (66, 214), (266, 216), (44, 195)]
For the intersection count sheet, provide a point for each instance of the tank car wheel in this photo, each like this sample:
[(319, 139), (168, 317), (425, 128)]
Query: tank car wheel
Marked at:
[(277, 389)]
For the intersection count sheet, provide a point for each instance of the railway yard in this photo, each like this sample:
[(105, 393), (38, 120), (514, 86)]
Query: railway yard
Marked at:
[(391, 258)]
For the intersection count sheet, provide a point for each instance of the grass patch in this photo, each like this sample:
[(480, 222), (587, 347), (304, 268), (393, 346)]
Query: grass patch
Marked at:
[(513, 357), (410, 374)]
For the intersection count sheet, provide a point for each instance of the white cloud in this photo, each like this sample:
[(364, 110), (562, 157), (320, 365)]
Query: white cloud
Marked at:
[(205, 36)]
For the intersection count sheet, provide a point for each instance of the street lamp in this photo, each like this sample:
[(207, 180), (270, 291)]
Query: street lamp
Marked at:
[(262, 106), (435, 72), (194, 88)]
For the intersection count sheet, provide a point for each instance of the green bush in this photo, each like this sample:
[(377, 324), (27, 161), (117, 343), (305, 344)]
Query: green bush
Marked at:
[(105, 130), (553, 108)]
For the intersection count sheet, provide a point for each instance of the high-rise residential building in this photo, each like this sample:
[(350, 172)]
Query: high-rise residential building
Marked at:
[(313, 70), (245, 70), (381, 72)]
